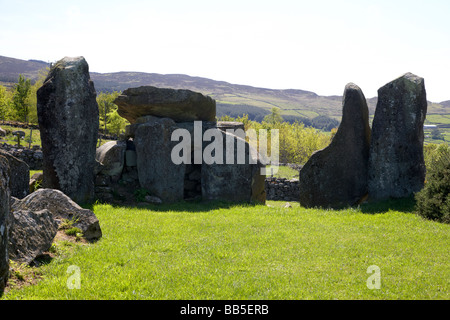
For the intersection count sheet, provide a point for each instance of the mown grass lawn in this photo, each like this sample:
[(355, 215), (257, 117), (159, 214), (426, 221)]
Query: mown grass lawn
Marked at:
[(222, 251)]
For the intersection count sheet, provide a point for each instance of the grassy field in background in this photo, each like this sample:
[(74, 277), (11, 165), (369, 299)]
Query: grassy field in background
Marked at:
[(224, 251)]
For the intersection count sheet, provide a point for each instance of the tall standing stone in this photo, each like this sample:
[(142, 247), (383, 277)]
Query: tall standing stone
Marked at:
[(68, 122), (396, 163), (156, 170), (336, 176), (4, 212)]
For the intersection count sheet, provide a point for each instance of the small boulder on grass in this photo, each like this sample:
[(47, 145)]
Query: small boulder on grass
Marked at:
[(62, 208), (31, 233)]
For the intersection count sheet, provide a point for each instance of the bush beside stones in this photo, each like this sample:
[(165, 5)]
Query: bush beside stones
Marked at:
[(433, 201)]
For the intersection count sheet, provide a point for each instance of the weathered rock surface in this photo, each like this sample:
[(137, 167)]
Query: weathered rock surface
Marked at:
[(396, 163), (62, 208), (68, 122), (336, 176), (179, 105), (156, 170), (4, 215), (112, 157), (31, 233), (239, 180), (19, 175)]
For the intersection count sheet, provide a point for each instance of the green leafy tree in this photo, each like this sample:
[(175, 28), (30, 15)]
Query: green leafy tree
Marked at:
[(20, 100), (110, 120), (32, 98), (274, 117), (5, 103)]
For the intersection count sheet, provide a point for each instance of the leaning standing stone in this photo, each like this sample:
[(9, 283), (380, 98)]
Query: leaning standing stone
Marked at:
[(68, 122), (336, 176), (396, 163)]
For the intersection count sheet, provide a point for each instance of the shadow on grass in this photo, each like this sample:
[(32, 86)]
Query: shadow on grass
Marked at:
[(181, 206), (404, 205)]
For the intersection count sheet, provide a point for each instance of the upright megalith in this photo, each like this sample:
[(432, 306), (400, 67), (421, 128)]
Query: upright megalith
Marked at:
[(4, 213), (396, 162), (68, 122), (232, 169), (157, 172), (336, 176)]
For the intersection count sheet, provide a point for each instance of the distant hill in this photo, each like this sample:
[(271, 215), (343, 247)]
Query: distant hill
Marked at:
[(10, 69), (232, 99)]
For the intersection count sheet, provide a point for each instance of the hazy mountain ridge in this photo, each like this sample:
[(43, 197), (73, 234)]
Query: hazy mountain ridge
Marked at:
[(232, 99)]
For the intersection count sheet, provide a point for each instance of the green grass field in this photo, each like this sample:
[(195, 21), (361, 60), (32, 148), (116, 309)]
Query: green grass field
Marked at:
[(223, 251)]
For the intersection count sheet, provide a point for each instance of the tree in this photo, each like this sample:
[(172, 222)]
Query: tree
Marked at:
[(274, 117), (110, 120), (20, 98), (32, 98), (5, 103)]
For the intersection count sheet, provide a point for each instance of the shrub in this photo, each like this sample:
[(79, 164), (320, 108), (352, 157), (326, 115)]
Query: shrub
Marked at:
[(433, 201)]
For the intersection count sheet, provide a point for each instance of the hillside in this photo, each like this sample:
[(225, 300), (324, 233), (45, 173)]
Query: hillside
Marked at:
[(232, 99)]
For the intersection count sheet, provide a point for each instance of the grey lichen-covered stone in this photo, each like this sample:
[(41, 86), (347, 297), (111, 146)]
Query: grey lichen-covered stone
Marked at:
[(62, 208), (239, 181), (336, 176), (31, 233), (156, 170), (68, 121), (179, 105), (396, 163), (4, 215), (112, 157), (19, 175)]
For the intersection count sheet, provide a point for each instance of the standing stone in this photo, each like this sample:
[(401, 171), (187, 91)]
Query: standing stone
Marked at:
[(4, 213), (156, 170), (19, 175), (336, 176), (236, 177), (68, 121), (396, 163)]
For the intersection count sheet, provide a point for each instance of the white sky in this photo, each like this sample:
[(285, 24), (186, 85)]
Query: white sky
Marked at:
[(315, 45)]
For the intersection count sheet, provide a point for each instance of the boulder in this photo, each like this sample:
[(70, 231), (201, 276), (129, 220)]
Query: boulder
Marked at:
[(112, 157), (4, 216), (239, 181), (396, 162), (336, 176), (2, 132), (156, 171), (68, 122), (31, 233), (179, 105), (19, 175), (62, 208)]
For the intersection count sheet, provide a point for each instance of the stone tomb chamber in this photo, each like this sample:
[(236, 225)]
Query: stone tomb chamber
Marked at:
[(174, 150)]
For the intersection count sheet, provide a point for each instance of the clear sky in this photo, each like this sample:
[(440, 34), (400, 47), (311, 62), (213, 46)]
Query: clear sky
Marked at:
[(315, 45)]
